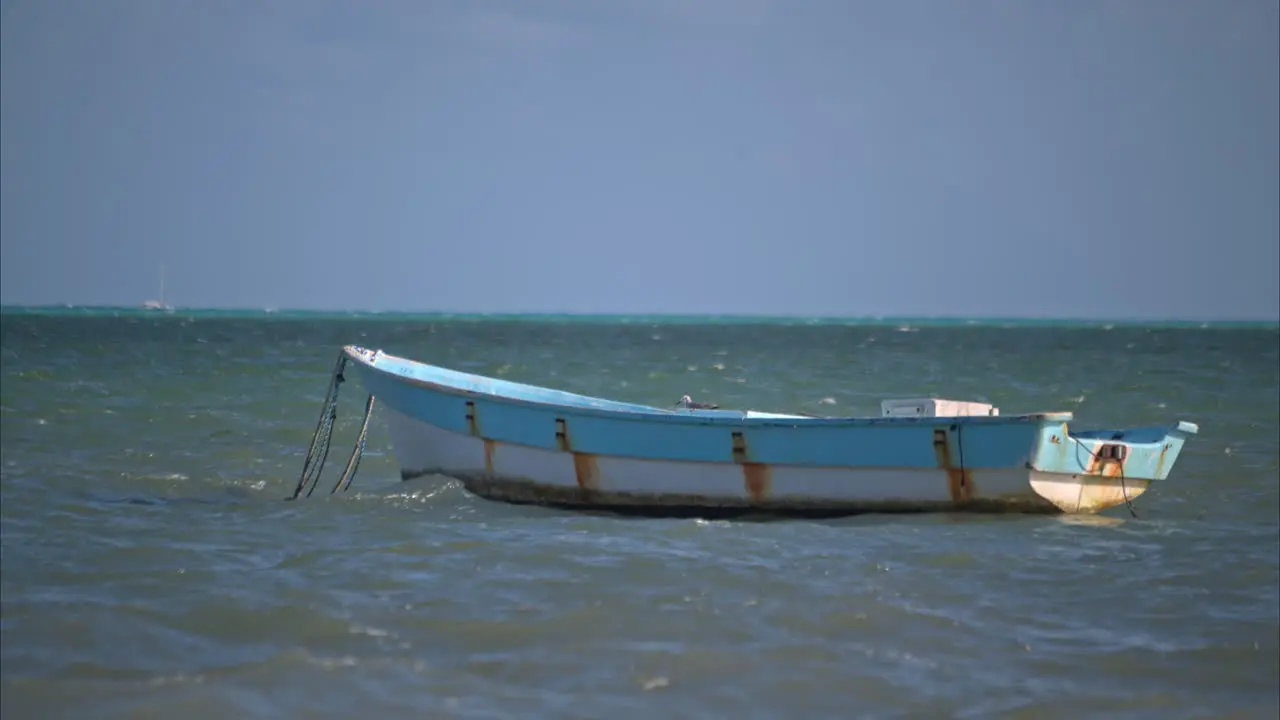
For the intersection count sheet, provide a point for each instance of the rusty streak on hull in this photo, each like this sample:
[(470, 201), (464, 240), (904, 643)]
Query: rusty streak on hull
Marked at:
[(756, 477), (1160, 462), (586, 470), (1106, 467), (490, 446), (1096, 496), (758, 481), (959, 481)]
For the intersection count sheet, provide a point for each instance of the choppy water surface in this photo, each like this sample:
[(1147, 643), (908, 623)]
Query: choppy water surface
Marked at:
[(150, 567)]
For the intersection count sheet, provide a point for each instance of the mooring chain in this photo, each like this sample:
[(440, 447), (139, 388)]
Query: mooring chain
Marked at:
[(327, 409), (357, 452), (321, 440), (318, 468), (324, 427)]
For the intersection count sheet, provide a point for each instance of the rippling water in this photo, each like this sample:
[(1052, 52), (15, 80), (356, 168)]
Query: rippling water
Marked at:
[(149, 565)]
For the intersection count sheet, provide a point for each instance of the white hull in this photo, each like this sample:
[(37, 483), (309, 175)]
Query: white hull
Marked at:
[(522, 474)]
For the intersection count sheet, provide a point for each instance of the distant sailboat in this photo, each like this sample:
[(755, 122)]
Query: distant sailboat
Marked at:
[(158, 304)]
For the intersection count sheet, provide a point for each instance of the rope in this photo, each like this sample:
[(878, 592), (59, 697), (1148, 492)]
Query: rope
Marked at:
[(324, 432), (1124, 491), (357, 452), (319, 467)]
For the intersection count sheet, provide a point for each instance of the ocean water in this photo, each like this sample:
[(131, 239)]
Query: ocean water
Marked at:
[(150, 568)]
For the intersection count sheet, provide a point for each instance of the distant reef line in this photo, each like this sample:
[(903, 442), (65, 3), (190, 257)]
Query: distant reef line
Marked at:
[(903, 321)]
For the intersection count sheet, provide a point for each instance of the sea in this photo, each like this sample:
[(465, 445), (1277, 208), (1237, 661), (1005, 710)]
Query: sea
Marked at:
[(150, 565)]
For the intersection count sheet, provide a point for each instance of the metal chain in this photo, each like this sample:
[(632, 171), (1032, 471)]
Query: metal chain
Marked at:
[(324, 431), (321, 441), (357, 452)]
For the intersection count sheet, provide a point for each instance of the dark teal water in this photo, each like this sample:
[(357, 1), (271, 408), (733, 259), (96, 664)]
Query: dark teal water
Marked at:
[(148, 566)]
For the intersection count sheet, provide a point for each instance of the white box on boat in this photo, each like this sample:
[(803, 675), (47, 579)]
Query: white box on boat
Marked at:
[(935, 407)]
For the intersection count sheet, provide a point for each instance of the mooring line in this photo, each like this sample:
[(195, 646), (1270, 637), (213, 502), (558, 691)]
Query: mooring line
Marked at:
[(321, 441), (323, 437), (324, 427), (357, 452), (328, 438), (1095, 457)]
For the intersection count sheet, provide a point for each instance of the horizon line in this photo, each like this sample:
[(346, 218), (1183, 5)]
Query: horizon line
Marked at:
[(464, 314)]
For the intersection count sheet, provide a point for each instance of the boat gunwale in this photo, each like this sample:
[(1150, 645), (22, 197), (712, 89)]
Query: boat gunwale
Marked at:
[(653, 413)]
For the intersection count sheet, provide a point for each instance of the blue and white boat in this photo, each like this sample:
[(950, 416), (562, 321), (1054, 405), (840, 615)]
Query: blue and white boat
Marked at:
[(519, 443)]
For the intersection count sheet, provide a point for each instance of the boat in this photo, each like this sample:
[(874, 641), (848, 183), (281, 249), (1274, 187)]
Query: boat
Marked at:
[(158, 304), (525, 444)]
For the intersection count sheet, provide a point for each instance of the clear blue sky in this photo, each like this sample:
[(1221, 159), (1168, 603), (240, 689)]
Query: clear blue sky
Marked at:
[(903, 157)]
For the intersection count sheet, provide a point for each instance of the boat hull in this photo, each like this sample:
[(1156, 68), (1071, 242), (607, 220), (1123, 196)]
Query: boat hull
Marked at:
[(566, 451), (528, 475)]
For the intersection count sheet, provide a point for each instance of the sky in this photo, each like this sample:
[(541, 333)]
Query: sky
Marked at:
[(1012, 158)]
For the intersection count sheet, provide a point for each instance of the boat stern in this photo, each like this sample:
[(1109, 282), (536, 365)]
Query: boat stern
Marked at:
[(1090, 471)]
